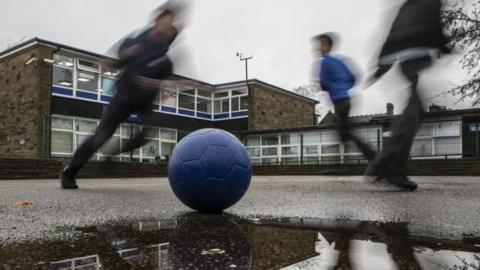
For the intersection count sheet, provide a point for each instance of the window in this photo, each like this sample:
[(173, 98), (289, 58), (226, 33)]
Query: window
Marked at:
[(331, 149), (87, 81), (252, 141), (225, 105), (62, 71), (204, 105), (167, 148), (290, 139), (109, 78), (169, 135), (62, 136), (168, 98), (204, 93), (311, 138), (421, 147), (69, 133), (254, 152), (87, 75), (186, 101), (290, 151), (270, 140), (244, 103), (310, 150), (221, 102), (63, 61), (239, 100), (269, 151)]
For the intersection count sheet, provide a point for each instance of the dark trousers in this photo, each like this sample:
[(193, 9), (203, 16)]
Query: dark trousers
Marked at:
[(129, 99), (342, 110), (393, 158)]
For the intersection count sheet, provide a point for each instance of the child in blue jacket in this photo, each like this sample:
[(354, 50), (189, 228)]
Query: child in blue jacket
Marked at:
[(336, 79)]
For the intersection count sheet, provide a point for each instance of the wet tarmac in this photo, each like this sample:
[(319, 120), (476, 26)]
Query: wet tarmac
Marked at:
[(202, 241), (282, 223)]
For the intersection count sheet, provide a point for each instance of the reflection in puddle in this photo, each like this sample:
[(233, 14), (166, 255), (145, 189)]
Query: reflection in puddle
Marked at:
[(196, 241)]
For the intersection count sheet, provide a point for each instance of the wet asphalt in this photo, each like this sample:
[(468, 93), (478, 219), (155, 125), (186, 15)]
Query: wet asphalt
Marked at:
[(442, 207)]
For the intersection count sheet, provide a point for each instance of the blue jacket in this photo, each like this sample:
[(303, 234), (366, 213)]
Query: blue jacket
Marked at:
[(335, 78)]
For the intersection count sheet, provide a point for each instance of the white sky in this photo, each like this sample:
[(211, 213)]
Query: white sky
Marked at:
[(276, 32)]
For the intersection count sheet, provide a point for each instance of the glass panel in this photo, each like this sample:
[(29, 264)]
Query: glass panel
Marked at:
[(186, 102), (238, 92), (63, 60), (167, 149), (136, 152), (269, 161), (86, 126), (290, 151), (188, 92), (351, 148), (235, 104), (87, 81), (62, 77), (169, 135), (127, 130), (329, 136), (354, 159), (112, 145), (151, 132), (254, 152), (310, 150), (62, 123), (270, 151), (290, 161), (204, 105), (225, 105), (168, 98), (62, 142), (108, 86), (81, 138), (252, 141), (290, 139), (331, 149), (88, 66), (446, 129), (372, 136), (256, 161), (150, 149), (425, 130), (204, 93), (218, 106), (330, 159), (421, 147), (108, 71), (311, 160), (270, 140), (243, 103), (448, 146), (311, 138), (219, 95)]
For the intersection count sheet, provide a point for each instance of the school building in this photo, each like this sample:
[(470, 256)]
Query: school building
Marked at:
[(53, 96)]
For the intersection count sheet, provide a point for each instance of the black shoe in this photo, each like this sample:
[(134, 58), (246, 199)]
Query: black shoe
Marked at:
[(67, 180), (401, 181)]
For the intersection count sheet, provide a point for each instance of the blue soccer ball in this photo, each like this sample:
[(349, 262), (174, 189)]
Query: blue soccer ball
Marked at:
[(209, 170)]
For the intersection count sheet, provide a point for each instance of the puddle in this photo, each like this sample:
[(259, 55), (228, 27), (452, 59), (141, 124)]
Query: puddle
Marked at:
[(195, 241)]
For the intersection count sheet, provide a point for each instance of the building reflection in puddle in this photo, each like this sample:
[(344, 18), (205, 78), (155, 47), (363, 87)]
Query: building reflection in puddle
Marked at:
[(195, 241)]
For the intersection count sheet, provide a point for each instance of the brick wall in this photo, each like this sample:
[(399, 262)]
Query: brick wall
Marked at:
[(25, 96), (269, 109)]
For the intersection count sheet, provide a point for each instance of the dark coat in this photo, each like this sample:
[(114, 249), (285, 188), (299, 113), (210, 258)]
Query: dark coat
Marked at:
[(416, 25)]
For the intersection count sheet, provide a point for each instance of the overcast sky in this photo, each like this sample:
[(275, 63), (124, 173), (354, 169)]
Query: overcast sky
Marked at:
[(275, 32)]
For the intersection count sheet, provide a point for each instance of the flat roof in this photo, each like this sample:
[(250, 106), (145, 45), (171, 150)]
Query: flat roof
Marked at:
[(33, 41)]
